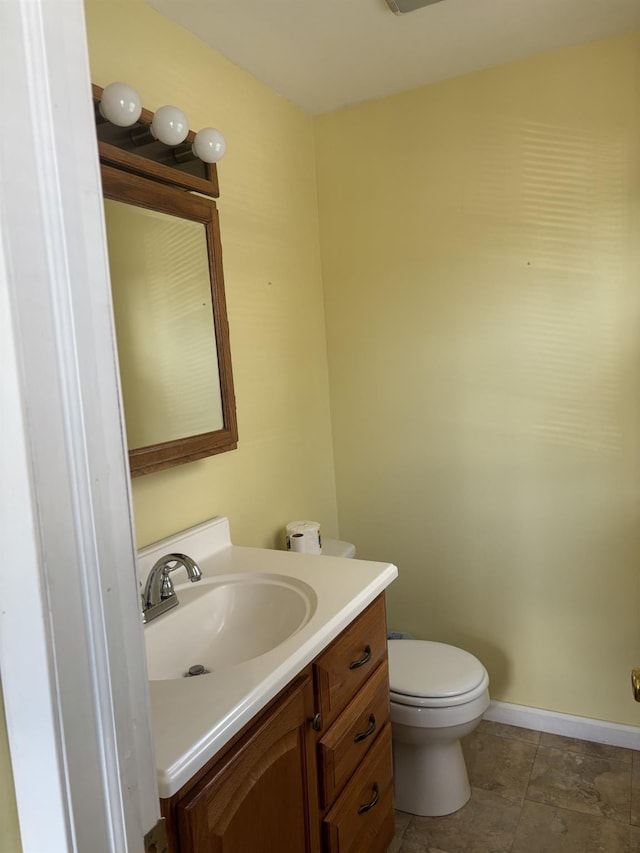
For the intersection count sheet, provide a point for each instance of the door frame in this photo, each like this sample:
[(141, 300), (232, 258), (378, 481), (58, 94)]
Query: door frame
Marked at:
[(71, 643)]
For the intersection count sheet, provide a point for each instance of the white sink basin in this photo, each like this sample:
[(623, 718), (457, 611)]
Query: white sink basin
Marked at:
[(225, 620)]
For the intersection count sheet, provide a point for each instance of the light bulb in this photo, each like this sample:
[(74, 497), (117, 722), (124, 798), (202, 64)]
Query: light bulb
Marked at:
[(169, 125), (120, 104), (209, 145)]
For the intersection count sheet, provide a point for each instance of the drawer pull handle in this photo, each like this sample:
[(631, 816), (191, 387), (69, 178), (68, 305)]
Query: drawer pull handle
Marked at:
[(355, 664), (316, 722), (364, 735), (376, 796)]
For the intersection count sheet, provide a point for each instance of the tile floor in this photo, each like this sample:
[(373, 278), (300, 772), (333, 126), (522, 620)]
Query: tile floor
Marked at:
[(535, 793)]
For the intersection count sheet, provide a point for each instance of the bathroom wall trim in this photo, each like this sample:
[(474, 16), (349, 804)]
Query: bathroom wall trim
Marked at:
[(553, 722)]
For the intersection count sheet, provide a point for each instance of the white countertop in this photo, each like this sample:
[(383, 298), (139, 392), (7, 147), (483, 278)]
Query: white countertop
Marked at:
[(193, 718)]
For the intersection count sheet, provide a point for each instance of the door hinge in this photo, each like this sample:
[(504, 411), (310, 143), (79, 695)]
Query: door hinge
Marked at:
[(155, 841)]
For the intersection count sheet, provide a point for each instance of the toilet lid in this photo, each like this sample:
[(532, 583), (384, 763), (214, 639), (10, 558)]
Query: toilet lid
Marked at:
[(432, 670)]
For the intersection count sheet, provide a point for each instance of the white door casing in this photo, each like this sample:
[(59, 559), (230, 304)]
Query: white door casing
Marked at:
[(71, 644)]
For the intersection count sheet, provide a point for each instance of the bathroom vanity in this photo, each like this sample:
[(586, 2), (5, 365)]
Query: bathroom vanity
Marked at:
[(290, 750), (312, 771)]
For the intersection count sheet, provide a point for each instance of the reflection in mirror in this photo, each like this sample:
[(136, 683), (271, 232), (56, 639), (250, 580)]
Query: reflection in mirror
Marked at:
[(171, 326), (164, 324)]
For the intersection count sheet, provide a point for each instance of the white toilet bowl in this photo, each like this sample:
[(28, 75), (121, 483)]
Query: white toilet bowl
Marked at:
[(438, 695)]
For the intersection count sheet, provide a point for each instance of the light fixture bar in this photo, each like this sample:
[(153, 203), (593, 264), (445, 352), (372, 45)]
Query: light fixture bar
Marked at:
[(120, 105)]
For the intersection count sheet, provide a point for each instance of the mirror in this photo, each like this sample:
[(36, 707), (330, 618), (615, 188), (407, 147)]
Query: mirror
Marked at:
[(163, 314), (171, 325)]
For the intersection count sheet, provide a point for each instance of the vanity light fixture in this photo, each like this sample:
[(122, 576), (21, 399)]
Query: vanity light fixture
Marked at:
[(120, 105), (209, 145), (169, 125)]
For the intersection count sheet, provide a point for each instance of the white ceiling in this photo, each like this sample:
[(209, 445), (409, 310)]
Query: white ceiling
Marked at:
[(327, 54)]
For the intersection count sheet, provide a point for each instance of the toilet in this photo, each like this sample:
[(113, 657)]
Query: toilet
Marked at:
[(337, 548), (438, 694)]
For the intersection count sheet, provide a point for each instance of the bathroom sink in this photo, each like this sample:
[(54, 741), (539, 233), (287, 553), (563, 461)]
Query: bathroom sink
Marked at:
[(224, 621)]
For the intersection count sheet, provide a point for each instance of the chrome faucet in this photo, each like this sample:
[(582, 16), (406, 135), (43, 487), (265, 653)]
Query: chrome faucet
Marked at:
[(159, 594)]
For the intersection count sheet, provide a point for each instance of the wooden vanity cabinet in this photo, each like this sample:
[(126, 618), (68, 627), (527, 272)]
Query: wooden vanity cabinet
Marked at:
[(312, 773), (354, 747)]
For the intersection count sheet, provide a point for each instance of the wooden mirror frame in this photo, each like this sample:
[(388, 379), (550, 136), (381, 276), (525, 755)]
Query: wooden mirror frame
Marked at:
[(128, 185)]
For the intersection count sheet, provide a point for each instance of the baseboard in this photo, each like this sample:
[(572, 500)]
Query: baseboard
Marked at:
[(552, 722)]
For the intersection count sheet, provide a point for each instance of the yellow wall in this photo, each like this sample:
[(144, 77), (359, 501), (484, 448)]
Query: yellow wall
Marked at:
[(479, 246), (481, 269), (283, 468), (9, 829), (479, 261)]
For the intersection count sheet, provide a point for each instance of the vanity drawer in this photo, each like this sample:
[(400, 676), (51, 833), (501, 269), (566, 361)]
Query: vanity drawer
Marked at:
[(353, 734), (362, 816), (349, 661)]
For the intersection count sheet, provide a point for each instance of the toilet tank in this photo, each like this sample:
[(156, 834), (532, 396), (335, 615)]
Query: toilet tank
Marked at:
[(337, 548)]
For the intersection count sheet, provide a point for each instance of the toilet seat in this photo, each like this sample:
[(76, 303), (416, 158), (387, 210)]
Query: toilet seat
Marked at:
[(426, 674)]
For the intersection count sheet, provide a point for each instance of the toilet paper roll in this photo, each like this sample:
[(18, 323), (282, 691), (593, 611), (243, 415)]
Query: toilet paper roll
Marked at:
[(304, 537), (296, 542)]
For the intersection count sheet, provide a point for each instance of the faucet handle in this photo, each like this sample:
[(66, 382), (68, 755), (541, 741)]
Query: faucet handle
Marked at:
[(166, 586)]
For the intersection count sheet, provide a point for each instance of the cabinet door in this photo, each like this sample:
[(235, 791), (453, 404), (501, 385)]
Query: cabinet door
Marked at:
[(256, 799)]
